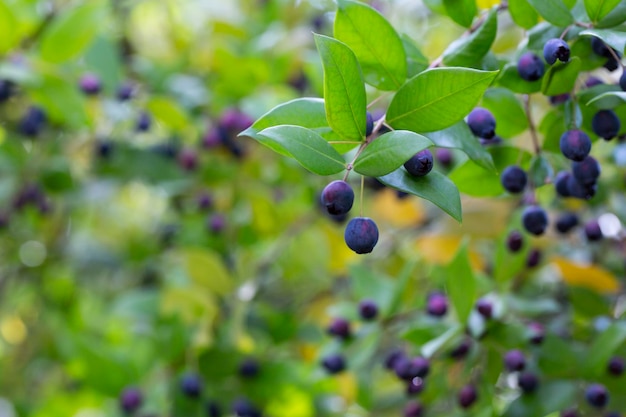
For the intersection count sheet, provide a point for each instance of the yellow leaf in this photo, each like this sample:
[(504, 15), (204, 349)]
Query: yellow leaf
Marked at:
[(441, 249), (588, 276), (396, 211), (341, 253), (206, 269), (486, 4), (291, 402)]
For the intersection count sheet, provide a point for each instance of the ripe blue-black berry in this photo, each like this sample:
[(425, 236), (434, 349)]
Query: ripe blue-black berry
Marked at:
[(566, 222), (334, 363), (467, 396), (535, 220), (420, 164), (513, 179), (593, 231), (514, 360), (514, 241), (587, 171), (130, 399), (530, 67), (437, 305), (369, 125), (361, 235), (556, 49), (368, 309), (616, 366), (597, 395), (191, 385), (528, 382), (338, 197), (413, 409), (482, 123), (605, 124), (90, 84), (485, 308), (575, 145)]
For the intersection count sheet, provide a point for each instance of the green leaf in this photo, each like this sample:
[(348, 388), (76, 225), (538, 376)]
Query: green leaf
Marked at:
[(434, 187), (437, 98), (441, 342), (461, 283), (608, 100), (507, 109), (597, 9), (559, 358), (561, 77), (206, 269), (416, 61), (389, 151), (375, 43), (461, 11), (344, 89), (554, 11), (603, 348), (523, 13), (459, 136), (473, 180), (612, 37), (589, 60), (540, 171), (305, 146), (552, 396), (168, 112), (8, 28), (615, 17), (70, 33), (467, 51), (509, 78)]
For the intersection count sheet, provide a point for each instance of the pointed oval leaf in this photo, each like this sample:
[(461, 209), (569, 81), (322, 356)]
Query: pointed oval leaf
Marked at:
[(344, 89), (612, 37), (461, 283), (509, 78), (614, 18), (597, 9), (459, 136), (375, 43), (434, 187), (72, 32), (9, 34), (561, 77), (554, 11), (471, 49), (523, 13), (305, 146), (437, 98), (609, 100), (389, 151), (461, 11)]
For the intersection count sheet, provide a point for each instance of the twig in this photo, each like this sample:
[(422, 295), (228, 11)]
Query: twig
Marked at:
[(531, 125)]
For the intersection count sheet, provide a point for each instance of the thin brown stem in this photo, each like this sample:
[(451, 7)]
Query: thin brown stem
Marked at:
[(364, 144)]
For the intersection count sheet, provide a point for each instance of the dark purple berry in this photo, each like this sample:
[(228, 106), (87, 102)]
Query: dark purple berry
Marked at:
[(530, 67), (408, 368), (369, 125), (413, 409), (593, 81), (560, 183), (338, 197), (340, 328), (566, 222), (191, 385), (90, 84), (437, 305), (213, 409), (393, 357), (415, 386), (534, 258), (214, 137), (368, 309), (514, 360), (616, 366), (104, 148), (605, 124), (33, 121), (244, 408), (587, 171), (622, 81), (536, 333), (6, 90), (467, 396), (597, 395), (575, 145), (144, 121), (535, 220), (334, 363), (485, 308), (528, 382), (593, 231), (556, 49), (216, 223), (444, 157), (420, 164), (599, 47), (611, 63), (513, 179), (361, 235), (204, 201), (188, 159), (125, 92), (461, 350), (482, 123), (559, 99), (514, 241), (130, 399), (249, 368), (578, 190)]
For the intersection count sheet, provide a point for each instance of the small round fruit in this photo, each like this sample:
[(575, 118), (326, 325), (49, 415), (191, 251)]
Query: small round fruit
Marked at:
[(485, 308), (535, 220), (340, 328), (249, 368), (413, 409), (560, 183), (528, 382), (597, 395), (444, 157), (513, 179), (90, 84), (482, 123), (587, 171), (566, 222), (361, 235), (415, 386), (622, 81), (514, 360), (338, 197), (616, 366), (437, 305), (131, 399), (143, 123), (556, 49), (393, 357), (461, 350), (605, 124), (368, 310), (536, 333), (191, 385), (575, 144), (533, 258), (530, 67), (593, 232), (420, 164), (514, 241), (369, 125), (334, 363), (467, 396)]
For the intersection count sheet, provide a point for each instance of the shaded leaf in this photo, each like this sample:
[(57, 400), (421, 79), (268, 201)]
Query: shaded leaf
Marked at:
[(469, 50), (461, 11), (554, 11), (459, 136)]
